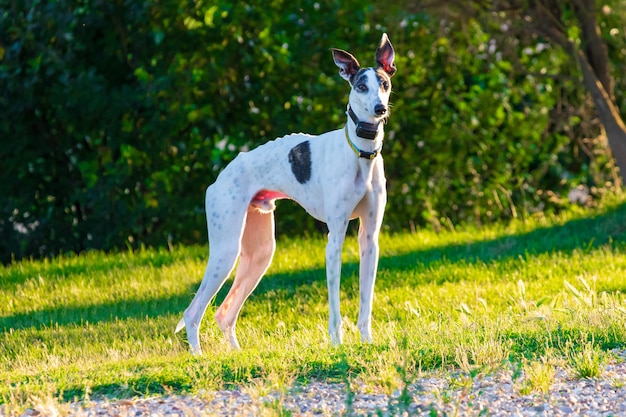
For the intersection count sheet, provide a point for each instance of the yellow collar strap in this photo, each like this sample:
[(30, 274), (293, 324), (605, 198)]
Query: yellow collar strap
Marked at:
[(360, 153)]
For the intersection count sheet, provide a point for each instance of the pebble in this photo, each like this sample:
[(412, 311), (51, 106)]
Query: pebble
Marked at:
[(494, 395)]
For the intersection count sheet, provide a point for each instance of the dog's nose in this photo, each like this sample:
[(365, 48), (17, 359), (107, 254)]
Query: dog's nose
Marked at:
[(380, 110)]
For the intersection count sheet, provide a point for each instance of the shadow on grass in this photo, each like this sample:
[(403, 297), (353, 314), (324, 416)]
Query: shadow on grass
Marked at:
[(92, 262), (335, 367), (97, 313), (586, 234)]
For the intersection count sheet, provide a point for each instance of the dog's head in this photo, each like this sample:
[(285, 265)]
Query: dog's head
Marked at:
[(371, 87)]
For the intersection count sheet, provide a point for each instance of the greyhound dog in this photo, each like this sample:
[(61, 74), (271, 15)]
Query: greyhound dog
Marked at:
[(336, 176)]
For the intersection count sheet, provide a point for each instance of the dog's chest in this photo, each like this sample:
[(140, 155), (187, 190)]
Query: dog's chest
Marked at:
[(321, 173)]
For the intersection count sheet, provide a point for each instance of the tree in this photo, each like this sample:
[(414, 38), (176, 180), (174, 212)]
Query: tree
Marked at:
[(569, 24), (553, 19)]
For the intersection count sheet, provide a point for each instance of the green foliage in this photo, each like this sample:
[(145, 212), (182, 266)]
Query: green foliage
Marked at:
[(117, 115), (473, 139)]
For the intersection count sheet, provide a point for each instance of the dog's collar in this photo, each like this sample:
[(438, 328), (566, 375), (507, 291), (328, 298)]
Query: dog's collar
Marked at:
[(363, 129), (360, 153)]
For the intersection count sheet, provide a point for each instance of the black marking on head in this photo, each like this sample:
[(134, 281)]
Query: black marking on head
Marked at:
[(361, 77), (383, 79), (358, 78), (300, 160)]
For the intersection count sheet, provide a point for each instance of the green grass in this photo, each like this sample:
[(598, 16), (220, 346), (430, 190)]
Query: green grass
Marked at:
[(540, 375), (474, 300), (587, 361)]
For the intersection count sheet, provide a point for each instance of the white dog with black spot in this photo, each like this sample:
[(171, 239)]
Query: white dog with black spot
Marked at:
[(336, 176)]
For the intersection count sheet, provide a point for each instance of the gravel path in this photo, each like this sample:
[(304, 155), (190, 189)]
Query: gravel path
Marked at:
[(492, 395)]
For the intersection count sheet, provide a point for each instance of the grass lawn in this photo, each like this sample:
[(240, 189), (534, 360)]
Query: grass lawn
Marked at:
[(475, 300)]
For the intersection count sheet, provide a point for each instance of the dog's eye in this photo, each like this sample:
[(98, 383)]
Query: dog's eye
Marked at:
[(362, 88), (385, 85)]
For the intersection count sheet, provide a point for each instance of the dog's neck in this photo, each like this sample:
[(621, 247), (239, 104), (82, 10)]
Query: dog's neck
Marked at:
[(364, 130)]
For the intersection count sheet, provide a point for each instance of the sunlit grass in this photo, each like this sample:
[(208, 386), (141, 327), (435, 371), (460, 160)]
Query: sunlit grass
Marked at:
[(586, 361), (539, 376), (472, 300)]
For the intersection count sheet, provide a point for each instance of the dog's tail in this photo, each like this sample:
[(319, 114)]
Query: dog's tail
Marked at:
[(180, 326)]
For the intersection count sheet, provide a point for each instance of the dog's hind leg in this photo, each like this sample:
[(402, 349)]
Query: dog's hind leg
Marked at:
[(257, 248), (225, 246), (219, 267)]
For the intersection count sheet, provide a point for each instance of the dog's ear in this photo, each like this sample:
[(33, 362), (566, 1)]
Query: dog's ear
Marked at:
[(385, 56), (348, 65)]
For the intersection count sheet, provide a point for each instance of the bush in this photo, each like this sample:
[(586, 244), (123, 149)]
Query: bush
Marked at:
[(118, 114)]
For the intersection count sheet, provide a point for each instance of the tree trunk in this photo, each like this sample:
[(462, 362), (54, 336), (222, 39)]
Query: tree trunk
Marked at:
[(607, 111), (594, 46)]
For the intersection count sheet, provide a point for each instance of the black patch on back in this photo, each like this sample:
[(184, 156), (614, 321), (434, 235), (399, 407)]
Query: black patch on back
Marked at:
[(300, 160)]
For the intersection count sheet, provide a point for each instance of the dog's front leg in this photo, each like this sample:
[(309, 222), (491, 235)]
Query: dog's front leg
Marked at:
[(370, 210), (336, 236), (368, 246)]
